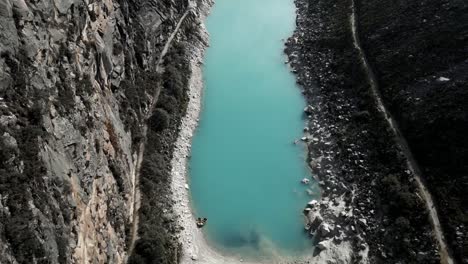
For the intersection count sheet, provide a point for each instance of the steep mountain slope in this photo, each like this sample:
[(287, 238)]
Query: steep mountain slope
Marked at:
[(77, 83)]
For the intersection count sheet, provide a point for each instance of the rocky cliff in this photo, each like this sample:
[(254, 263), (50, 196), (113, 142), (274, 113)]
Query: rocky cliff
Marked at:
[(79, 82)]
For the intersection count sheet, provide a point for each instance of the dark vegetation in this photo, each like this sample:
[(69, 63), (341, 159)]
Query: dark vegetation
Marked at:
[(159, 120), (410, 46), (156, 243)]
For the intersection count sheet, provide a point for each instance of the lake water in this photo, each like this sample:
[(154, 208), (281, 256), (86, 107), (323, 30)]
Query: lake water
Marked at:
[(245, 171)]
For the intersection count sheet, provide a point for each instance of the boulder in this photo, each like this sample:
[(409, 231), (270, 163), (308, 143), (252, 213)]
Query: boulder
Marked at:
[(309, 110), (362, 221), (315, 219), (315, 164), (7, 120), (362, 246), (20, 8), (323, 245), (443, 79), (325, 229)]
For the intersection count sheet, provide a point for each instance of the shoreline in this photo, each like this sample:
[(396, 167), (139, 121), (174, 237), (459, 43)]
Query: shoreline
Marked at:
[(195, 248)]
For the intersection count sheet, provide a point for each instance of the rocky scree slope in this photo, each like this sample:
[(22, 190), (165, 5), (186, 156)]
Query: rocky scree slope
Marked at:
[(76, 82)]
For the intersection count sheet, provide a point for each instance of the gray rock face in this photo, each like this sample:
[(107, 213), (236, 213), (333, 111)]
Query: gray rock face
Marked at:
[(69, 128)]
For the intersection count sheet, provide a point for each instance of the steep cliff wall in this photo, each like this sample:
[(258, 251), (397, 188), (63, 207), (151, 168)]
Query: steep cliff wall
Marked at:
[(419, 53), (78, 80)]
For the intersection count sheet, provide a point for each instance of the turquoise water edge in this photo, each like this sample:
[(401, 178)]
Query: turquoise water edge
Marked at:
[(245, 171)]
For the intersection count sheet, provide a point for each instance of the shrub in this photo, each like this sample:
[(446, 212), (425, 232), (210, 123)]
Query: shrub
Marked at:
[(402, 223), (391, 185), (173, 81), (66, 99), (153, 167), (84, 86), (407, 201), (35, 114), (136, 259), (159, 120), (168, 103), (152, 250)]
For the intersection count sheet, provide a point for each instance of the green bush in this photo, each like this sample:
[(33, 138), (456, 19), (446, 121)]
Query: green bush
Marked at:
[(159, 120), (173, 81), (168, 103), (152, 250)]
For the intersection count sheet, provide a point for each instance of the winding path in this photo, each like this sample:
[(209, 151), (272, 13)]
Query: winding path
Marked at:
[(141, 148), (401, 141)]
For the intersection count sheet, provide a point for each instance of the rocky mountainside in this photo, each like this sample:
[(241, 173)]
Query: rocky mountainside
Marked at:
[(79, 81), (418, 52)]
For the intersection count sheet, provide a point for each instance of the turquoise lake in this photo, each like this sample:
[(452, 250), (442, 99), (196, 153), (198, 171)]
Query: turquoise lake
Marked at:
[(245, 171)]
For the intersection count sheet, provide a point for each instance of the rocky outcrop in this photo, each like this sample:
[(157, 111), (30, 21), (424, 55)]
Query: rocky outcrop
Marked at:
[(77, 79)]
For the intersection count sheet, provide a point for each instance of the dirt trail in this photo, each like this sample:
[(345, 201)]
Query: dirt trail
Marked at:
[(403, 144), (141, 148)]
